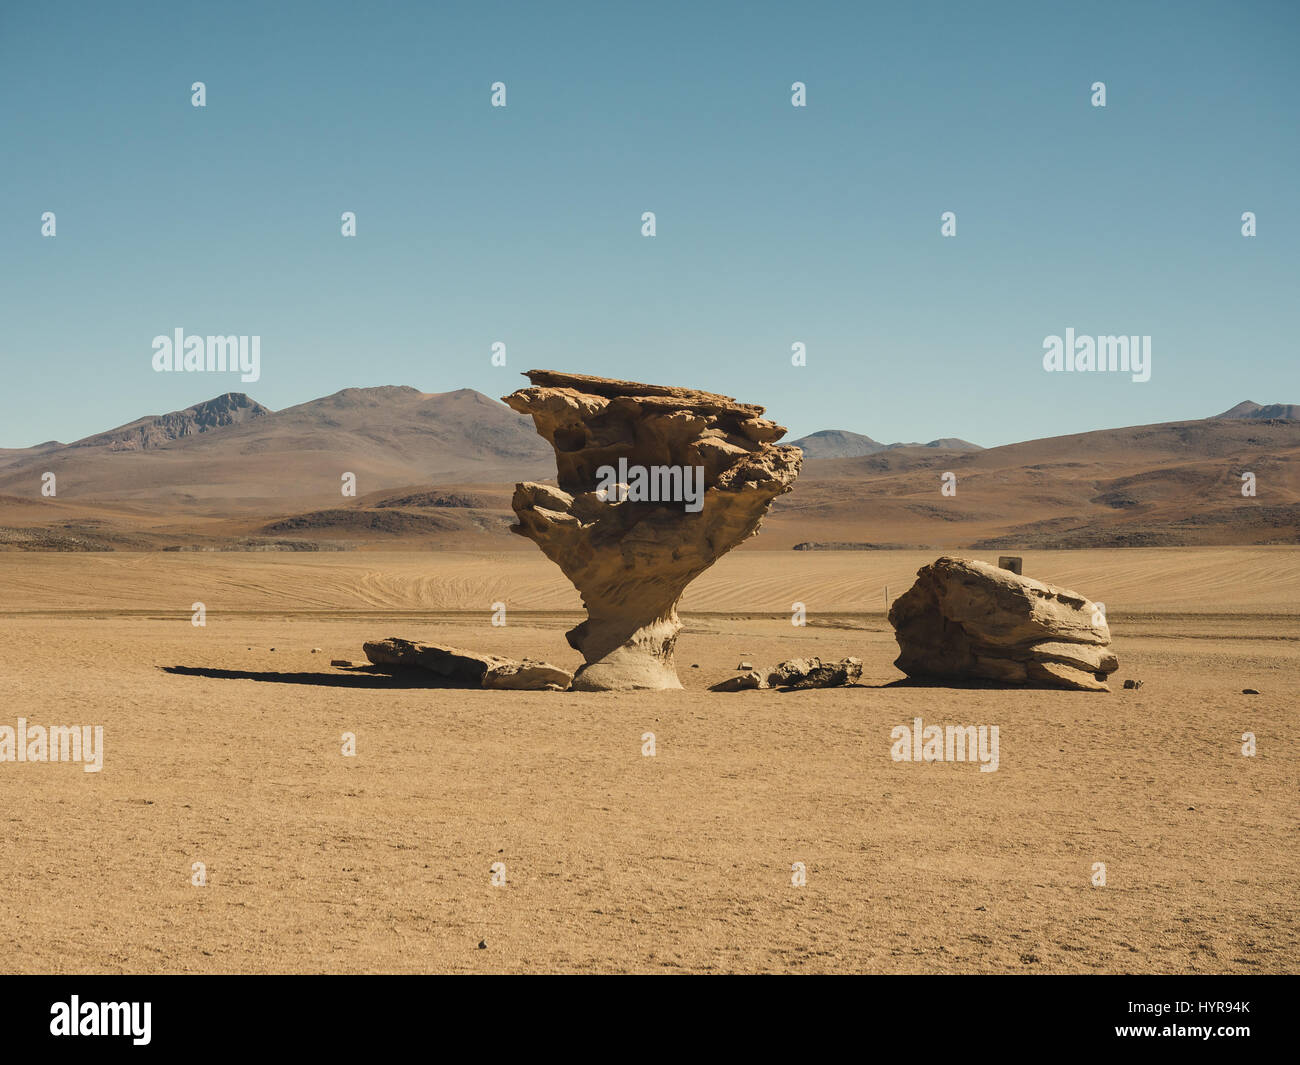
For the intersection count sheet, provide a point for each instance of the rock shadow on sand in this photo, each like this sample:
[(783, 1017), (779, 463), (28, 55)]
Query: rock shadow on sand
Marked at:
[(972, 684), (372, 677)]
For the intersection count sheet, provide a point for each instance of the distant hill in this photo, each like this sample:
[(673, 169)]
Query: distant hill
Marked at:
[(1171, 484), (154, 430), (949, 443), (1247, 409), (231, 455), (842, 444), (837, 444)]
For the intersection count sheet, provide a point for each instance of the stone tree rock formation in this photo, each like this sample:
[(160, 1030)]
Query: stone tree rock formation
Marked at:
[(965, 620), (630, 559)]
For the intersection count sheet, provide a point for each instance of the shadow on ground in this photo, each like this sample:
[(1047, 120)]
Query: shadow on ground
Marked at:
[(355, 678), (399, 677), (965, 685)]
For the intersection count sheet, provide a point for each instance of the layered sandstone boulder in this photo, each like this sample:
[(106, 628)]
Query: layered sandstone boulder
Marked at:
[(968, 620), (631, 558)]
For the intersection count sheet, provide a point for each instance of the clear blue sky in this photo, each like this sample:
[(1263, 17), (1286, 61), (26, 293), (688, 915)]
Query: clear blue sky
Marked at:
[(775, 224)]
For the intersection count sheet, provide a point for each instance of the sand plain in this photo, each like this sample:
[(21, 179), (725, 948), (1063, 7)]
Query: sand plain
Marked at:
[(222, 751)]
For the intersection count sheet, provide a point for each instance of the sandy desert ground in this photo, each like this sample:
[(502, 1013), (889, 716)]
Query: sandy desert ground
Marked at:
[(220, 750)]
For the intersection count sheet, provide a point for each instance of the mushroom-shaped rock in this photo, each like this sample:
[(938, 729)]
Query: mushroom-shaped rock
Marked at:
[(655, 485), (967, 620)]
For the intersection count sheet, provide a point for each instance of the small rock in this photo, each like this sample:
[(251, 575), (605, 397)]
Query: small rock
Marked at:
[(527, 675), (1134, 684), (272, 648), (340, 662), (794, 675), (799, 674), (1249, 691), (315, 650), (695, 665), (793, 669), (844, 672), (743, 682), (482, 944)]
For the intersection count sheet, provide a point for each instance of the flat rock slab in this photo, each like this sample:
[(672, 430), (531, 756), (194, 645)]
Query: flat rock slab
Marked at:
[(469, 668), (740, 683)]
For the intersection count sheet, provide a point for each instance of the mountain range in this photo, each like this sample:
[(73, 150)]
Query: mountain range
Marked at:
[(842, 444), (438, 469), (1247, 409)]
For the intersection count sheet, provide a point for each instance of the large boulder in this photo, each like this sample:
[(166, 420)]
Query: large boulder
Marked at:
[(968, 620), (629, 557)]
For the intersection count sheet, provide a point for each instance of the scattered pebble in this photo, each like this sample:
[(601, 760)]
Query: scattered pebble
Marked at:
[(745, 665), (315, 650), (340, 662), (1134, 684), (482, 944), (1249, 691)]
